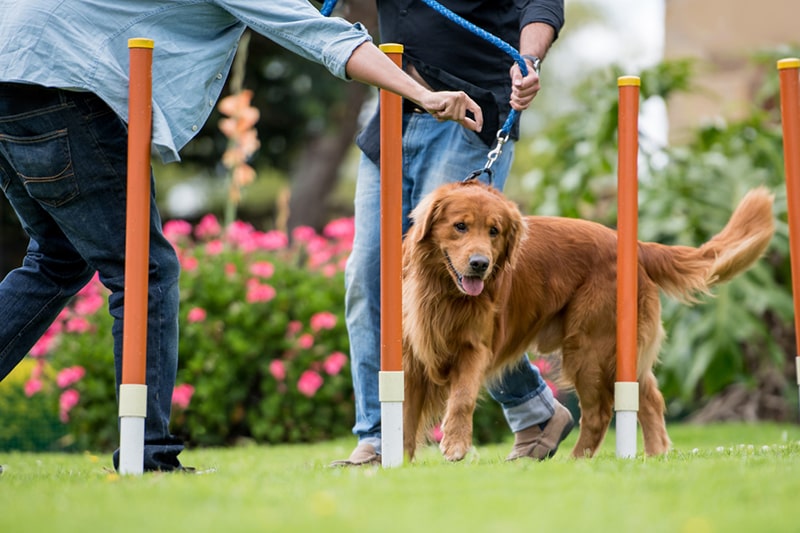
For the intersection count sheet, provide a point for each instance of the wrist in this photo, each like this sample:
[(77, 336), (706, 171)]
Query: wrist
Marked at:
[(533, 61)]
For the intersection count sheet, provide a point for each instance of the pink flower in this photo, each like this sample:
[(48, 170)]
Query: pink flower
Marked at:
[(70, 375), (334, 363), (263, 269), (293, 328), (309, 383), (88, 304), (317, 245), (305, 341), (239, 232), (77, 325), (230, 269), (68, 399), (196, 314), (323, 320), (329, 270), (215, 247), (45, 342), (182, 395), (436, 433), (303, 234), (174, 230), (259, 292), (189, 263), (277, 369), (272, 240), (32, 386), (341, 228), (208, 227), (543, 365)]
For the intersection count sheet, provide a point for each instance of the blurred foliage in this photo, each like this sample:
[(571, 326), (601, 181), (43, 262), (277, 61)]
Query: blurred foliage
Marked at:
[(293, 95), (29, 423)]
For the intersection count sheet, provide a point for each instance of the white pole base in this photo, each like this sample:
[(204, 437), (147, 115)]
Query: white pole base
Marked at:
[(391, 434), (391, 392), (626, 404), (626, 434), (132, 412), (131, 447)]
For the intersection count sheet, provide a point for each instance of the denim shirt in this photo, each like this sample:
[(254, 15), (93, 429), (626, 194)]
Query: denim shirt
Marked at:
[(83, 45)]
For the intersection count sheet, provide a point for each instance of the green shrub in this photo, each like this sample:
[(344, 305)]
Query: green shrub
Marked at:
[(29, 422), (263, 342)]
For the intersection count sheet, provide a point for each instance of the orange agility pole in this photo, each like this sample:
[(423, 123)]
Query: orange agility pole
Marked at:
[(391, 386), (788, 70), (626, 388), (133, 390)]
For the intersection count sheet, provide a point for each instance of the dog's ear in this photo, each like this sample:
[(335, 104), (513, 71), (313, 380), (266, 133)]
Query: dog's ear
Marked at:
[(424, 216), (517, 232)]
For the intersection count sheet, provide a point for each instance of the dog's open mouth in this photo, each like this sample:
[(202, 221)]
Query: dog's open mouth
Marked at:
[(471, 285)]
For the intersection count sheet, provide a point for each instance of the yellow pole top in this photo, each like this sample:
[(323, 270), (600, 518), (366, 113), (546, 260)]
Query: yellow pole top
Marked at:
[(627, 81), (789, 62), (140, 42), (391, 48)]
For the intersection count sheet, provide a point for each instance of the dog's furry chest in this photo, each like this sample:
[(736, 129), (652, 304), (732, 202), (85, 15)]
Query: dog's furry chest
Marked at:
[(444, 329)]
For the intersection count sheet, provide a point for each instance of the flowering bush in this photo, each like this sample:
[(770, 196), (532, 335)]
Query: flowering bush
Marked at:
[(262, 347)]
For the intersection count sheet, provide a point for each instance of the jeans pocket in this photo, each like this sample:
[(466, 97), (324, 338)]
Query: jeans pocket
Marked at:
[(44, 164)]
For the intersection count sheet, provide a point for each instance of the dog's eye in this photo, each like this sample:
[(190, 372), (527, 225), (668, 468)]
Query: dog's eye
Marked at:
[(461, 227), (493, 231)]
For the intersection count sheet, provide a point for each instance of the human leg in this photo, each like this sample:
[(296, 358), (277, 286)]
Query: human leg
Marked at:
[(64, 171), (362, 312), (538, 420)]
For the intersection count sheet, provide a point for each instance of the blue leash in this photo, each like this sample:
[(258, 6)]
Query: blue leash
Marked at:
[(327, 7), (504, 132)]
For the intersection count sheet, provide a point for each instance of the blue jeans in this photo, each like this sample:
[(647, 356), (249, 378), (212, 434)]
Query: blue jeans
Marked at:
[(434, 153), (63, 167)]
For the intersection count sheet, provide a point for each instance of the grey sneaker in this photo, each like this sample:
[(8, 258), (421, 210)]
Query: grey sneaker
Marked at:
[(541, 441), (364, 454)]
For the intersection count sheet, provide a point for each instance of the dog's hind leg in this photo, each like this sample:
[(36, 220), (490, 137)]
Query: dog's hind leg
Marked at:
[(651, 416), (596, 400)]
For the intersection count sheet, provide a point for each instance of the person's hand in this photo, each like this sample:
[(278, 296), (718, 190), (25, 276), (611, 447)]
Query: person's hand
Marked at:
[(454, 105), (523, 88)]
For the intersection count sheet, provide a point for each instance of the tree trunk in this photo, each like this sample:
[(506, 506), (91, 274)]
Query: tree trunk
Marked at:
[(317, 170)]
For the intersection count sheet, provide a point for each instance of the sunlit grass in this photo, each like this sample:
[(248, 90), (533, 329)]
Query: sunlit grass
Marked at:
[(718, 478)]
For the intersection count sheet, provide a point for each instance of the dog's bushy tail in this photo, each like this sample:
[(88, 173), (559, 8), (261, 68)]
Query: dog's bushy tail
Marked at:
[(684, 272)]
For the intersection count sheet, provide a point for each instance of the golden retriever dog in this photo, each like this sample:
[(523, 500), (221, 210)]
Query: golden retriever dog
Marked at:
[(482, 284)]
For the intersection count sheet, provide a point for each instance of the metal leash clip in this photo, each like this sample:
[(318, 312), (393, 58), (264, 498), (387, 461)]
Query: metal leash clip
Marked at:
[(502, 138)]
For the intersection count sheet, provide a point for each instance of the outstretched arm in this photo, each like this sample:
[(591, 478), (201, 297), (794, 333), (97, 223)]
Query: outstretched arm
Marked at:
[(369, 65)]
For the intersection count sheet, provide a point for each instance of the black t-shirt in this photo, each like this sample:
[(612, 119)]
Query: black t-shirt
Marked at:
[(450, 57)]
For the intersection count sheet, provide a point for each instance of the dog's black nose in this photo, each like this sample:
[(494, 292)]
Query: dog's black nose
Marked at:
[(478, 263)]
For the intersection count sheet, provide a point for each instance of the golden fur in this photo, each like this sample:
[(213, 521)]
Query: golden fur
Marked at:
[(482, 284)]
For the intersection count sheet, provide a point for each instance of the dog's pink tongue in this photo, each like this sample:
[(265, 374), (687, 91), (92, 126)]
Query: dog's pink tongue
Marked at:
[(472, 285)]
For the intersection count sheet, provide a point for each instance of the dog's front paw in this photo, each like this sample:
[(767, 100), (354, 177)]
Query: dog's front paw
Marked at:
[(454, 449)]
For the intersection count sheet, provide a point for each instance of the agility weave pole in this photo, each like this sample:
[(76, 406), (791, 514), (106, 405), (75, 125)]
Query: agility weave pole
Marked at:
[(133, 389), (788, 71), (390, 379), (626, 387)]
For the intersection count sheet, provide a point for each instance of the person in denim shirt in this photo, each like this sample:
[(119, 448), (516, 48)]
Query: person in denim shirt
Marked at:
[(63, 145), (441, 54)]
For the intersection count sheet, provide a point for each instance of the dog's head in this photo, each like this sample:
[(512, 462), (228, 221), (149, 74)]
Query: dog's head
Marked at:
[(471, 229)]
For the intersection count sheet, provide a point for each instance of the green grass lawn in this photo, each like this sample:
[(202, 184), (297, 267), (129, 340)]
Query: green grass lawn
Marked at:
[(721, 478)]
